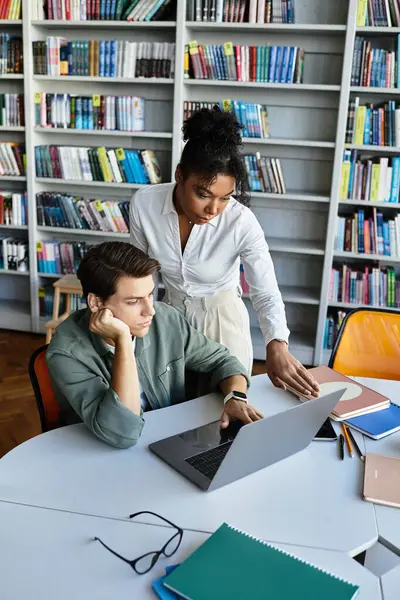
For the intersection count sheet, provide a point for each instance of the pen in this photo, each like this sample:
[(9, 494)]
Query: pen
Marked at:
[(348, 442), (356, 446), (341, 446)]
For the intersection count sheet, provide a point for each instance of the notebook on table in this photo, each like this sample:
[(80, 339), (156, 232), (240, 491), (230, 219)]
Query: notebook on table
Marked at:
[(377, 425), (357, 400), (382, 480), (261, 572)]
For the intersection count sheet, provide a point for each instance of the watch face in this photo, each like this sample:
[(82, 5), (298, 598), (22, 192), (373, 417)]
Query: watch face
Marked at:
[(240, 395)]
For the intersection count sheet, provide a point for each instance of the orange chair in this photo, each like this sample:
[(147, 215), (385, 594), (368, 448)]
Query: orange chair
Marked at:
[(48, 408), (368, 344)]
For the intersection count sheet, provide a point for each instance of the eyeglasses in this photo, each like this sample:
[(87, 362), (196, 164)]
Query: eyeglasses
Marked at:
[(143, 564)]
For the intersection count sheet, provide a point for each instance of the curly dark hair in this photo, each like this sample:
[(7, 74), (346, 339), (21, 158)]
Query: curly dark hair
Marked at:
[(213, 142)]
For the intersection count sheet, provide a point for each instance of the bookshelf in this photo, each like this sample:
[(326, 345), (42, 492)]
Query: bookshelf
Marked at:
[(307, 126)]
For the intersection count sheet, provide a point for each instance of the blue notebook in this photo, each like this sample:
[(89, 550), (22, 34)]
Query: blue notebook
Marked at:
[(161, 591), (377, 425)]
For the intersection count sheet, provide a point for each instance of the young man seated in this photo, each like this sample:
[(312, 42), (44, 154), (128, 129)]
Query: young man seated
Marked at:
[(125, 354)]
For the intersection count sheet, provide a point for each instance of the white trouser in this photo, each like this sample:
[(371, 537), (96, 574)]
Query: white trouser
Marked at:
[(222, 318)]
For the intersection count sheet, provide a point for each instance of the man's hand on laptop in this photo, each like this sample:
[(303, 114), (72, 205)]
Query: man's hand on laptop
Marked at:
[(236, 410)]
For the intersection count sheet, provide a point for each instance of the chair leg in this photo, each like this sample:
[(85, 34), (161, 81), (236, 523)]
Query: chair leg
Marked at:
[(49, 335), (56, 304), (68, 303)]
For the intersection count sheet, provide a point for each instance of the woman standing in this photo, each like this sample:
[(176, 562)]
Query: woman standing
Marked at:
[(200, 234)]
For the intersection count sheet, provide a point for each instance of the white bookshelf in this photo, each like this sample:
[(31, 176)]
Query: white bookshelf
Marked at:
[(307, 123)]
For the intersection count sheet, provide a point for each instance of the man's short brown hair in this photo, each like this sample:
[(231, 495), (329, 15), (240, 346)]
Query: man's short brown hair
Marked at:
[(103, 265)]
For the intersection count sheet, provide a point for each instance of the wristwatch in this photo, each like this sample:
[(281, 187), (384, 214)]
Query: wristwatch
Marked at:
[(236, 396)]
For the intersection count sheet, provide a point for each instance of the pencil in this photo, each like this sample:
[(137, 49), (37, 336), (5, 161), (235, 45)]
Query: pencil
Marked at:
[(341, 446), (348, 442), (356, 446)]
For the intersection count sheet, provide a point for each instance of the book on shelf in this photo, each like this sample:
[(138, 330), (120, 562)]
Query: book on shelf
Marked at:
[(13, 208), (372, 286), (60, 257), (12, 159), (115, 165), (380, 13), (11, 54), (12, 113), (370, 178), (104, 10), (365, 234), (89, 112), (264, 174), (333, 324), (373, 124), (46, 302), (375, 67), (262, 64), (11, 10), (252, 117), (75, 212), (14, 255), (103, 58), (241, 11)]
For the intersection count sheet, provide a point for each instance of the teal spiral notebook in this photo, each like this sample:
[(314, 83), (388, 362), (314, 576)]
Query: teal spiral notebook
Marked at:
[(232, 565)]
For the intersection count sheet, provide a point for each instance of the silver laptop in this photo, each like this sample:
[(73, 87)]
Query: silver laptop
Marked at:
[(212, 457)]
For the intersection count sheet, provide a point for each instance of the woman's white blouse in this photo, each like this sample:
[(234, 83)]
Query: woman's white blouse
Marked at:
[(211, 260)]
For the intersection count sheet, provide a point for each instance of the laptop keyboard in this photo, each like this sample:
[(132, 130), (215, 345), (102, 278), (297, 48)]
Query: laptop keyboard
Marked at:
[(208, 462)]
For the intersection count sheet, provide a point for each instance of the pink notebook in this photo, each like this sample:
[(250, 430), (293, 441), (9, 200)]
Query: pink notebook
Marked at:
[(382, 480), (357, 400)]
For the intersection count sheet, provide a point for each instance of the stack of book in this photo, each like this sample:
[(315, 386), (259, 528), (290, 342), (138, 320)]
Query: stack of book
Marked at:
[(103, 58), (75, 212), (46, 301), (241, 11), (14, 255), (12, 159), (11, 54), (368, 235), (114, 165), (10, 10), (373, 124), (12, 110), (375, 67), (262, 64), (13, 209), (378, 14), (265, 174), (60, 257), (370, 287), (103, 10), (98, 112), (369, 178), (252, 117), (333, 324)]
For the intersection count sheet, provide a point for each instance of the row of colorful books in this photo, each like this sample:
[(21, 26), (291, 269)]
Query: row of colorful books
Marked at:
[(378, 13), (370, 287), (253, 117), (13, 208), (332, 326), (98, 112), (264, 174), (11, 54), (114, 165), (373, 124), (60, 257), (103, 58), (101, 10), (75, 212), (266, 64), (375, 67), (372, 179), (14, 255), (10, 10), (241, 11), (365, 234), (46, 301), (12, 159), (12, 112)]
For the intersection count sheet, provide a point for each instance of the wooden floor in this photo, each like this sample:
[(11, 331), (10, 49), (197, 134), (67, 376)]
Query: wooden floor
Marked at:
[(19, 419)]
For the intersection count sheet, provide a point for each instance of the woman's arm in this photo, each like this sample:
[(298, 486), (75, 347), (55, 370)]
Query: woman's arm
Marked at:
[(138, 238)]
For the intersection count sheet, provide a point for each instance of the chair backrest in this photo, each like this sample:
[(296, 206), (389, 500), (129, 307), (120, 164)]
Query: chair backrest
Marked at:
[(368, 344), (48, 408)]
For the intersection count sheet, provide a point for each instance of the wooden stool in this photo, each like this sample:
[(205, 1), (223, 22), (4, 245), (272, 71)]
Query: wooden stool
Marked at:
[(69, 284)]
